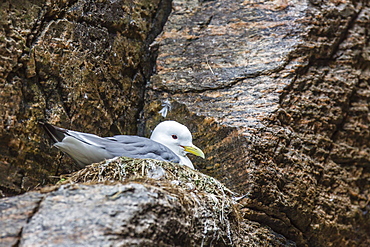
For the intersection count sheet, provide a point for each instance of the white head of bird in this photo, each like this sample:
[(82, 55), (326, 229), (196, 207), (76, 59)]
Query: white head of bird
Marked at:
[(178, 138)]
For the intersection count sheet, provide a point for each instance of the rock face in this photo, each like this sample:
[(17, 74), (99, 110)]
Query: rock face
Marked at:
[(275, 92), (152, 203), (119, 215), (79, 64)]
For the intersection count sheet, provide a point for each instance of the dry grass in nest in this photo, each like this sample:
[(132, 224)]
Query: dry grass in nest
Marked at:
[(123, 168), (197, 191)]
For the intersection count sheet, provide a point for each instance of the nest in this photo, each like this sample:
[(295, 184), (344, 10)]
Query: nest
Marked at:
[(201, 194), (123, 168)]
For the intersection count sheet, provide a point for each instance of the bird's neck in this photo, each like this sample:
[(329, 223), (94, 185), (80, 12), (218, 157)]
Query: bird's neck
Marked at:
[(186, 161)]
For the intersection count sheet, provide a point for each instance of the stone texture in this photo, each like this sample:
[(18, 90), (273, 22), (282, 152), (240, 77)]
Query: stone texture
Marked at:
[(88, 215), (181, 207), (82, 65), (15, 213), (275, 92), (289, 125), (218, 46)]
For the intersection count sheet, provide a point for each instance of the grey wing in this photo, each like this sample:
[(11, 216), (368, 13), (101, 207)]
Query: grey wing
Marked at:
[(139, 147), (84, 148), (129, 146), (87, 138)]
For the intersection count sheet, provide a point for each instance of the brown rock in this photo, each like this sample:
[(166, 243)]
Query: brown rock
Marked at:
[(277, 94), (79, 64), (152, 203)]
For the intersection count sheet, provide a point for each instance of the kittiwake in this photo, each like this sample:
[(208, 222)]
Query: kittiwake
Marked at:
[(170, 141)]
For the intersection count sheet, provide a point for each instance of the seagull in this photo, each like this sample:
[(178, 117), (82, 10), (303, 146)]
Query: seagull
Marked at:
[(170, 141)]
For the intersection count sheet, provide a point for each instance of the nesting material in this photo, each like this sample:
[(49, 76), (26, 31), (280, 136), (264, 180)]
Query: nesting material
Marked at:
[(210, 203), (123, 168)]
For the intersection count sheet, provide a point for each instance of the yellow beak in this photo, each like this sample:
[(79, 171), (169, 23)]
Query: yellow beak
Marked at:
[(194, 150)]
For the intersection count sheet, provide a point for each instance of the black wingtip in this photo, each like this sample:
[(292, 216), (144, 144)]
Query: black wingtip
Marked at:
[(57, 134)]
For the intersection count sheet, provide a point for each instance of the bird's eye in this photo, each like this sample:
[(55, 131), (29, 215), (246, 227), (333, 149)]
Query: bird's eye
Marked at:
[(174, 136)]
